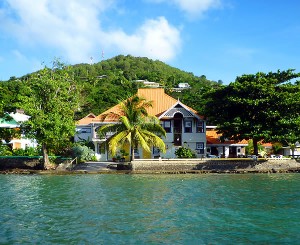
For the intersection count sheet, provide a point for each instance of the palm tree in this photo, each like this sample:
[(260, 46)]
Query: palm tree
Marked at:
[(135, 127)]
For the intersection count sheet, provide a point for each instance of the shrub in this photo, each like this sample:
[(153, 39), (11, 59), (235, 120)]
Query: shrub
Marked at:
[(28, 151), (83, 153), (184, 152), (5, 150)]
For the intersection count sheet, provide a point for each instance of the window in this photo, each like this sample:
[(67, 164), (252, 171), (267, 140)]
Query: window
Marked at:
[(188, 127), (85, 130), (200, 127), (200, 147), (136, 153), (156, 151), (167, 126)]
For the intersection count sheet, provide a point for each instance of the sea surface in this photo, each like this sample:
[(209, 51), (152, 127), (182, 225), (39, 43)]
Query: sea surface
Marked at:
[(150, 209)]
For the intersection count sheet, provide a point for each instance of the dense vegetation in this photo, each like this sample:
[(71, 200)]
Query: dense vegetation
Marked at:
[(106, 83), (258, 107)]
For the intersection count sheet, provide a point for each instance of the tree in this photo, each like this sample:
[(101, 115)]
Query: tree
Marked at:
[(250, 107), (135, 127), (250, 148), (288, 121), (50, 97), (7, 134)]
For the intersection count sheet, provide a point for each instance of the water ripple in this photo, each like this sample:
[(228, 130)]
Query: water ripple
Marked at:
[(149, 209)]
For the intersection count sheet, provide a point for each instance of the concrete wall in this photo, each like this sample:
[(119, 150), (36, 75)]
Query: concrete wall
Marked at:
[(34, 163), (201, 164), (19, 162)]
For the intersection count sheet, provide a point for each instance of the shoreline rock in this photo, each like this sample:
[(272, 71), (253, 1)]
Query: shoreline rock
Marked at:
[(176, 166)]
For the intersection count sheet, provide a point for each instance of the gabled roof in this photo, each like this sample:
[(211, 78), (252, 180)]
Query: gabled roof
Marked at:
[(13, 120), (86, 120), (8, 122), (213, 138), (161, 103), (179, 107), (19, 117)]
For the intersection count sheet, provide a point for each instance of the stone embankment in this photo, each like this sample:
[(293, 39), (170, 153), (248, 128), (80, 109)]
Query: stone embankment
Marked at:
[(7, 163), (242, 165), (159, 166)]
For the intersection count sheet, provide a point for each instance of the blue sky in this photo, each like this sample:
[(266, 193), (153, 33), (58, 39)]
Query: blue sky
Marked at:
[(221, 39)]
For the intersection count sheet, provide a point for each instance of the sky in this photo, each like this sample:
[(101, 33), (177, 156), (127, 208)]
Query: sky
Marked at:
[(221, 39)]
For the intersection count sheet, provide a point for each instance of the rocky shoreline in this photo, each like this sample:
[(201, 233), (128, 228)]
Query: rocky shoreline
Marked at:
[(263, 167)]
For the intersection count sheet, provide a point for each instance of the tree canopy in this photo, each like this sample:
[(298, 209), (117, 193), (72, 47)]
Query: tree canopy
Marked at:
[(256, 106), (50, 97)]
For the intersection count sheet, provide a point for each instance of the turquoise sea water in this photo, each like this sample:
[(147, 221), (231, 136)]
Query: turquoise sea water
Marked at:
[(150, 209)]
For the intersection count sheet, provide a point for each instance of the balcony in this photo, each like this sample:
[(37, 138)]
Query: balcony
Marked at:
[(101, 138)]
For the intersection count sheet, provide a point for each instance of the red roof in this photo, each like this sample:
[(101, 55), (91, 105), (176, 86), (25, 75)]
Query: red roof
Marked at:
[(213, 138), (86, 120)]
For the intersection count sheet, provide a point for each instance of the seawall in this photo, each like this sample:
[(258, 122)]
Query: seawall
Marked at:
[(20, 162), (213, 164)]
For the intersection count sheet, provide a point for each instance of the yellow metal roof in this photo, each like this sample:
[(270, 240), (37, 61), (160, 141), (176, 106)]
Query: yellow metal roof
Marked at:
[(161, 103)]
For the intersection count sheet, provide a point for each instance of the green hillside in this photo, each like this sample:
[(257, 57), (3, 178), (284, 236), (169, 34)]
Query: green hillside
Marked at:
[(105, 83)]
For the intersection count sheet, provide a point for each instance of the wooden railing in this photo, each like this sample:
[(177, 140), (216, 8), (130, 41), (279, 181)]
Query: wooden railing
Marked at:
[(72, 162)]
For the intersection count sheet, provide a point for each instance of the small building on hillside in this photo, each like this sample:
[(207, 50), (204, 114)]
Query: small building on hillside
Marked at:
[(148, 84), (184, 127), (183, 85)]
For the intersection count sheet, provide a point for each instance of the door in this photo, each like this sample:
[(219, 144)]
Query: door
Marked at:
[(178, 129)]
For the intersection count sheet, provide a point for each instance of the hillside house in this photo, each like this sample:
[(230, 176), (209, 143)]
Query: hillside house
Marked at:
[(148, 84), (183, 125)]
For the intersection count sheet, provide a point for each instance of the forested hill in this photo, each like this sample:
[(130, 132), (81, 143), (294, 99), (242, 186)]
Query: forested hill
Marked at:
[(105, 83), (109, 81)]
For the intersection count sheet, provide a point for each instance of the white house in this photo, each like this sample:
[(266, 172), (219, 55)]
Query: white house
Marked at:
[(183, 85), (216, 146), (14, 120), (147, 83), (183, 125)]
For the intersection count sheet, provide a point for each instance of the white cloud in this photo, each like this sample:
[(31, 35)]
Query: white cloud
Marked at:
[(197, 7), (192, 8), (155, 39), (73, 29)]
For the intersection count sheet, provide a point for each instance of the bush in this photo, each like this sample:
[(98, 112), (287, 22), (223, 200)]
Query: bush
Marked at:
[(184, 152), (83, 153), (29, 151), (5, 150)]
